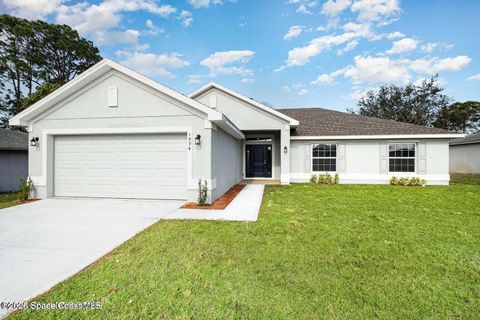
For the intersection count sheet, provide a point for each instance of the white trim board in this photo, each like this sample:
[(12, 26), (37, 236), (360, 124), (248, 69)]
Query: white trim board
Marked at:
[(381, 137)]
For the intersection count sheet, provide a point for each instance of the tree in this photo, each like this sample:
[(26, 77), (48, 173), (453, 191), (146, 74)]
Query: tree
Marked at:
[(417, 104), (33, 53), (460, 116), (41, 91)]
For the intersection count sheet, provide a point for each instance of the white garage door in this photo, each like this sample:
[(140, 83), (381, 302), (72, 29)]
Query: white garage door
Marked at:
[(146, 166)]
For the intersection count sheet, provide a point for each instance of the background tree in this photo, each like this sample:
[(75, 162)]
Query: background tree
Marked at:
[(35, 53), (417, 104), (460, 116)]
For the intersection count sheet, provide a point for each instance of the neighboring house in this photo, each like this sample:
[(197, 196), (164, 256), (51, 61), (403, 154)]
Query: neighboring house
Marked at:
[(465, 154), (13, 159), (112, 132)]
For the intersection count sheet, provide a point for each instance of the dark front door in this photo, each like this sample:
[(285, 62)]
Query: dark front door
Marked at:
[(258, 161)]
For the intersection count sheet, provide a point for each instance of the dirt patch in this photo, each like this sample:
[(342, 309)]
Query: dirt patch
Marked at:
[(219, 204)]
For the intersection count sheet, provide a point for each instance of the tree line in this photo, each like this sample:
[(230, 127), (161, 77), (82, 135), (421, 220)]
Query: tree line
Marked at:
[(423, 104), (35, 59)]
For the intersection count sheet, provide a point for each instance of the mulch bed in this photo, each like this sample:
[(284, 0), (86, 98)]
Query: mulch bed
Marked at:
[(219, 204)]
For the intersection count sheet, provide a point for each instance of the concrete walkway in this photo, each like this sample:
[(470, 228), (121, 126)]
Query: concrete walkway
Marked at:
[(44, 242), (244, 207)]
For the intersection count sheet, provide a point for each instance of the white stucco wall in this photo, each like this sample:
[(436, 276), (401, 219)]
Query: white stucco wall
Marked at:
[(138, 107), (360, 161), (465, 158), (226, 161)]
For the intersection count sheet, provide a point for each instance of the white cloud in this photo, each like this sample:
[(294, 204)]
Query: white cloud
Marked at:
[(152, 29), (368, 69), (32, 9), (129, 36), (323, 79), (402, 46), (394, 35), (303, 9), (298, 89), (221, 62), (186, 17), (333, 8), (376, 69), (475, 77), (349, 47), (375, 10), (205, 3), (151, 64), (429, 47), (96, 20), (194, 78), (293, 32), (247, 80), (437, 65)]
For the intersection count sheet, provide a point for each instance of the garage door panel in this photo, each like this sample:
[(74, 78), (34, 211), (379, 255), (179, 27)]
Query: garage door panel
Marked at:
[(151, 166)]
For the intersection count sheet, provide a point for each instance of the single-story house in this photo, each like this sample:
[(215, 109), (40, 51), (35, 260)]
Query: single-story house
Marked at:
[(465, 154), (13, 159), (112, 132)]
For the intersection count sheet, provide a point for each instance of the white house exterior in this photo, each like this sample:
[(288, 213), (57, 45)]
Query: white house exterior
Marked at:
[(112, 132), (465, 154)]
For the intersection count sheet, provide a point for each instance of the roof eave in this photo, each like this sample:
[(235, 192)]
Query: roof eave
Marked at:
[(377, 137)]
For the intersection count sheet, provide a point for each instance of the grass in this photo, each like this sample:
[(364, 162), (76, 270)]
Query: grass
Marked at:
[(327, 252), (8, 200), (465, 178)]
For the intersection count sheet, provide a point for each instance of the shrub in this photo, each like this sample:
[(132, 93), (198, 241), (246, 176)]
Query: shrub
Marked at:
[(202, 192), (337, 178), (313, 178), (403, 181), (416, 182), (26, 188), (324, 179), (394, 181)]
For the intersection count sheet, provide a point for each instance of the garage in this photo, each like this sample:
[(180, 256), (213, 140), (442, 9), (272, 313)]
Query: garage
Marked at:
[(140, 166)]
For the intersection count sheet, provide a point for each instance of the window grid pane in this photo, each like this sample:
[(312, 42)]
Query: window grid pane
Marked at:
[(324, 157), (401, 157)]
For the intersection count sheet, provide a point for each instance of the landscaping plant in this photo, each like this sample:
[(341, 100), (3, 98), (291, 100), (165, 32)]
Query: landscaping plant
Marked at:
[(202, 192), (26, 188)]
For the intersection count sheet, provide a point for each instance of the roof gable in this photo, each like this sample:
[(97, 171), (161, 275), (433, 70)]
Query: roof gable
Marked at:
[(213, 85), (100, 69)]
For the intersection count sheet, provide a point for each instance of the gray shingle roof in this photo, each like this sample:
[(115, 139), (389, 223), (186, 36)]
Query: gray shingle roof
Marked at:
[(13, 140), (470, 139), (324, 122)]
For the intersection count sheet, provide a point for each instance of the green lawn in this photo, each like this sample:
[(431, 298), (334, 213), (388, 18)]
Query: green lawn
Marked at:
[(334, 252), (8, 200)]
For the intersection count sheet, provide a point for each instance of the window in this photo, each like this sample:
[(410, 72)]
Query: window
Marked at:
[(401, 157), (324, 157), (261, 139)]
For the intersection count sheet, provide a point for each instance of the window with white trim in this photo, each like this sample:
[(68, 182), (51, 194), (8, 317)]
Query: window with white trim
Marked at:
[(324, 157), (401, 157)]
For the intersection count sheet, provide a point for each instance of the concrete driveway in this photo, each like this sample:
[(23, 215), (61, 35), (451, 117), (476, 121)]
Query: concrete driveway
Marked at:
[(47, 241)]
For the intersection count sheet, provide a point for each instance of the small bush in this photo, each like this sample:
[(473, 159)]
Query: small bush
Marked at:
[(394, 181), (404, 181), (337, 178), (26, 189), (324, 179), (416, 182), (202, 192)]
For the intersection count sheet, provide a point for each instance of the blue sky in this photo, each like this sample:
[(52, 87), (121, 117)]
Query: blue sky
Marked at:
[(291, 53)]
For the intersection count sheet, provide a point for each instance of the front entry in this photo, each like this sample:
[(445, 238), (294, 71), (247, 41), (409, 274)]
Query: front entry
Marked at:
[(258, 162)]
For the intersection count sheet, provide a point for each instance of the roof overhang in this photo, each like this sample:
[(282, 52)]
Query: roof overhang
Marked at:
[(211, 85), (26, 116), (382, 137)]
